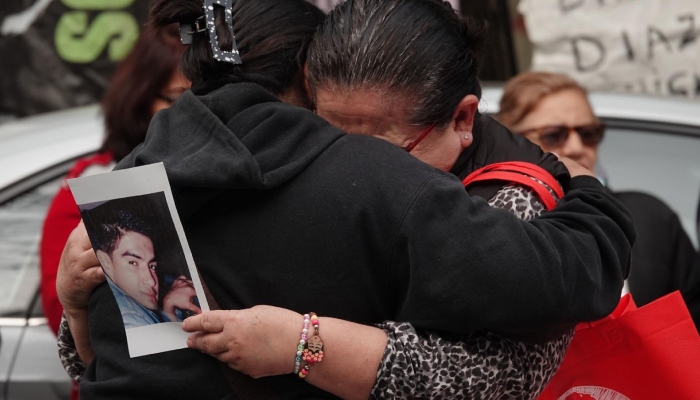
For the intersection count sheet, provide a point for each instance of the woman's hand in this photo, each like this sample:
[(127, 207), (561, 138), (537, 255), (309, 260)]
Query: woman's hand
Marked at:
[(79, 272), (180, 296), (575, 169), (259, 341)]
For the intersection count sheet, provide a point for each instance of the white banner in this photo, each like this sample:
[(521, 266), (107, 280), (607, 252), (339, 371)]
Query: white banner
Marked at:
[(327, 5), (641, 46)]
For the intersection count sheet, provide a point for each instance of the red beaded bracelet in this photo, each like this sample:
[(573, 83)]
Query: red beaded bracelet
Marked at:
[(313, 348)]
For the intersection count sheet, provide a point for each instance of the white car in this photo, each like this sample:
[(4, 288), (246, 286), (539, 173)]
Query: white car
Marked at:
[(35, 154), (652, 145)]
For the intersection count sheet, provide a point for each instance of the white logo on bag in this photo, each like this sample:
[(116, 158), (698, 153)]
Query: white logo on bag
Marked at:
[(592, 393)]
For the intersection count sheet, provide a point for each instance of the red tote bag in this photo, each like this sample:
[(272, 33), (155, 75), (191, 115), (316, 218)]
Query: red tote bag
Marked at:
[(640, 354)]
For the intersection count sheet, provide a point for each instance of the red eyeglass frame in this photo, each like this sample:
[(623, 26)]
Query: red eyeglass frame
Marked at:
[(412, 145)]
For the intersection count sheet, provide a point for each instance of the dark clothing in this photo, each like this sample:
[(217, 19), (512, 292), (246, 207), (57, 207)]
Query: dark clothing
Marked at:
[(494, 143), (281, 208), (663, 256)]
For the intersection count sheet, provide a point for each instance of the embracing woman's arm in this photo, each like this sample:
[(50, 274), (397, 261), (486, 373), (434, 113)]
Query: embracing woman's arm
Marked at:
[(396, 361), (263, 340)]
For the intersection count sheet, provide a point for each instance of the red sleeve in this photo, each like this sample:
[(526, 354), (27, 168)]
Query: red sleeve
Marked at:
[(63, 216)]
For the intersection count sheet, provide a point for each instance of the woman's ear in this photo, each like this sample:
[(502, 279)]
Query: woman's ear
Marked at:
[(465, 113), (463, 119)]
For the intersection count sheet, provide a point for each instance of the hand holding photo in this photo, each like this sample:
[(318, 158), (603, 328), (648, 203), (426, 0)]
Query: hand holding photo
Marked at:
[(138, 239)]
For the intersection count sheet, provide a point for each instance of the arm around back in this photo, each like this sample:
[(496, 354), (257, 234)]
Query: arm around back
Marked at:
[(495, 271)]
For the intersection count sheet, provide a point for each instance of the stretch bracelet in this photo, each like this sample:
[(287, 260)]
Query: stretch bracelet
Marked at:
[(302, 343), (313, 349)]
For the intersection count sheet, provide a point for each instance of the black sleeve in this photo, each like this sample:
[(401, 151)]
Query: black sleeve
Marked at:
[(494, 271), (686, 267)]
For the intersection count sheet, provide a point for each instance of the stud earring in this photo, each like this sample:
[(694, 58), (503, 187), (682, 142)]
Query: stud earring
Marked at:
[(466, 137)]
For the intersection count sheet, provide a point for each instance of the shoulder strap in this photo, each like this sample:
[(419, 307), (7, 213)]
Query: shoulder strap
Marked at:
[(243, 386), (521, 173)]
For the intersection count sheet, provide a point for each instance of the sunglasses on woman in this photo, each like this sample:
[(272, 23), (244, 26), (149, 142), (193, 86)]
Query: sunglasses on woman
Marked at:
[(551, 137)]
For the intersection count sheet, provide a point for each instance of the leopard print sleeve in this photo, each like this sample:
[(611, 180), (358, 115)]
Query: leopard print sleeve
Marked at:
[(68, 353), (424, 365), (481, 365)]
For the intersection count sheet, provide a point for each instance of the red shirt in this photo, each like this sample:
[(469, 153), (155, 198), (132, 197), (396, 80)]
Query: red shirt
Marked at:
[(63, 216)]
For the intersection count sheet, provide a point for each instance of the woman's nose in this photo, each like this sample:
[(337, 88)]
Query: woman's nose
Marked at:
[(573, 147)]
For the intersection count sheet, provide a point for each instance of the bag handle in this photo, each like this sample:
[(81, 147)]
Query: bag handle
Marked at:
[(521, 173)]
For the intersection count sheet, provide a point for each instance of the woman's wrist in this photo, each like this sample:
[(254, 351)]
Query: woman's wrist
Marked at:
[(78, 325), (350, 349), (76, 316)]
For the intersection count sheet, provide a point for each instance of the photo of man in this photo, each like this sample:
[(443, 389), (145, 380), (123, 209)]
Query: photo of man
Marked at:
[(132, 221), (137, 246)]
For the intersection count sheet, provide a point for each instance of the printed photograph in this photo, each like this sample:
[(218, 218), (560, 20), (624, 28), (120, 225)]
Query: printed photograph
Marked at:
[(136, 233), (137, 245)]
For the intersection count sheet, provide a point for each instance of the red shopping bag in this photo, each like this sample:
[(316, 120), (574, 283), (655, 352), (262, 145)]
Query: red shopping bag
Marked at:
[(641, 354)]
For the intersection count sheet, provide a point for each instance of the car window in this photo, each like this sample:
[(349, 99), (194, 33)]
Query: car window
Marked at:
[(658, 161), (21, 220)]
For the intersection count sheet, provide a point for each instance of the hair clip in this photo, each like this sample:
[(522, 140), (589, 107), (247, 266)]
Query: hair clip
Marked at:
[(187, 29), (220, 55)]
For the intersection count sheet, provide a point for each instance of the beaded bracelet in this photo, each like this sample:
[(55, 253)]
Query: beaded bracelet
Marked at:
[(302, 343), (313, 349)]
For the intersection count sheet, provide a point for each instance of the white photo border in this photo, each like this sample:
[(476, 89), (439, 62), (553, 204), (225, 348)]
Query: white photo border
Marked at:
[(133, 182)]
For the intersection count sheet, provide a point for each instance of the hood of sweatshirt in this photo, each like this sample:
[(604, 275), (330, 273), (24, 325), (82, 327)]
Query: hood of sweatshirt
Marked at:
[(237, 137)]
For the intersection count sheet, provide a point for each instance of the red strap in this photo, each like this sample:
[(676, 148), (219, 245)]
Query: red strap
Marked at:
[(521, 173), (515, 177)]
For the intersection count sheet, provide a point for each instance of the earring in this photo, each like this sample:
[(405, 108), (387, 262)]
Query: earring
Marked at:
[(466, 137)]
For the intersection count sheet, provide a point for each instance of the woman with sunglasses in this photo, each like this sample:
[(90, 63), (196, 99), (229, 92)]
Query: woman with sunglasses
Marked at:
[(553, 111)]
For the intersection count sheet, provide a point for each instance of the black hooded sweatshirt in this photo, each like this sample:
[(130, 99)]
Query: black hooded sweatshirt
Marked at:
[(281, 208)]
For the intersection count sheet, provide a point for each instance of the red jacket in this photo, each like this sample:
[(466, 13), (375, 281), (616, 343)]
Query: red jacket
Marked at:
[(63, 216)]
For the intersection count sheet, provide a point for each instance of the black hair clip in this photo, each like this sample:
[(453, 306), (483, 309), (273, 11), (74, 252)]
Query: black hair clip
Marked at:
[(220, 55), (187, 30)]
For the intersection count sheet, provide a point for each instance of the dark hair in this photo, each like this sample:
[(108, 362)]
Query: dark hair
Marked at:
[(106, 234), (136, 84), (272, 36), (421, 49)]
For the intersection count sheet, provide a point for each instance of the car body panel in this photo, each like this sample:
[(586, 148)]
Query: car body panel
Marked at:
[(37, 361), (35, 153), (30, 145)]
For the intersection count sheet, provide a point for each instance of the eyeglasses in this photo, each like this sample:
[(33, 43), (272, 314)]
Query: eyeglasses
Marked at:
[(422, 136), (551, 137)]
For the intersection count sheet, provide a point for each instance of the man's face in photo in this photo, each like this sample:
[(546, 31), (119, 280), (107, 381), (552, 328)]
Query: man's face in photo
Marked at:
[(132, 267)]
